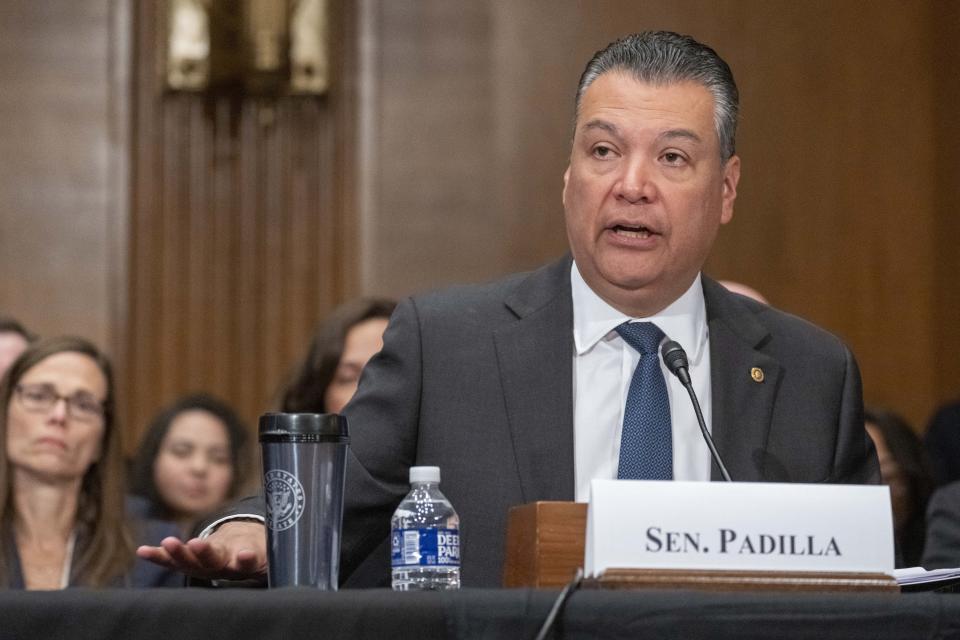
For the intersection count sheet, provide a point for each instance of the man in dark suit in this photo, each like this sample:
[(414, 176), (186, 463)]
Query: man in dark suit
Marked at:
[(519, 389)]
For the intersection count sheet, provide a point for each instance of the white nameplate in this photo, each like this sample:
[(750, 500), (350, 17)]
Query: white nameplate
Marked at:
[(738, 526)]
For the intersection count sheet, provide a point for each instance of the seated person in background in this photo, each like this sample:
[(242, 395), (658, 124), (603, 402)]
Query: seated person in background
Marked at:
[(344, 342), (14, 340), (61, 476), (190, 461), (522, 390), (903, 467), (942, 548), (942, 441)]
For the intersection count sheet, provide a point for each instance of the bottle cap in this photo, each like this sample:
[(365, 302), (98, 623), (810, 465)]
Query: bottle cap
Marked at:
[(303, 427), (424, 474)]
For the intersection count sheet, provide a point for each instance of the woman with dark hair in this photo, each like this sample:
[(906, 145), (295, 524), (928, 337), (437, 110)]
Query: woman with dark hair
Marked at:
[(61, 476), (904, 468), (328, 376), (190, 460)]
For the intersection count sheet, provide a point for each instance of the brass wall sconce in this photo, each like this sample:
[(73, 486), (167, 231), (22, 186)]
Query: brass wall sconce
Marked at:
[(256, 47)]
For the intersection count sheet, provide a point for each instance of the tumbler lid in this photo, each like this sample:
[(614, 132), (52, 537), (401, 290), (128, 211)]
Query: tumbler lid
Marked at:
[(303, 427)]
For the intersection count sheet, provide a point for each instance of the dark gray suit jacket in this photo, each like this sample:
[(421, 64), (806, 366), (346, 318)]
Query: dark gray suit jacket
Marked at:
[(478, 381), (942, 547)]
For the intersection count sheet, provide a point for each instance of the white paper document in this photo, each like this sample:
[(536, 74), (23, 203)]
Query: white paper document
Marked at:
[(919, 575)]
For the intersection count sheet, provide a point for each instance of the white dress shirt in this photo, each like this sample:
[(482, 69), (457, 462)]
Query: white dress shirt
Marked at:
[(603, 366)]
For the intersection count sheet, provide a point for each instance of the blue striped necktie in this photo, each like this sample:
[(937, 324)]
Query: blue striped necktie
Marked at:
[(646, 443)]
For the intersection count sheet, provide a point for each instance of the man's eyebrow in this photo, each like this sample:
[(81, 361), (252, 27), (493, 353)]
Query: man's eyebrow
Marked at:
[(671, 134), (680, 133), (609, 127)]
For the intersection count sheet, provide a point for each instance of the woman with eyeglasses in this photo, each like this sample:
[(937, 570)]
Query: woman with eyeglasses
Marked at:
[(62, 517)]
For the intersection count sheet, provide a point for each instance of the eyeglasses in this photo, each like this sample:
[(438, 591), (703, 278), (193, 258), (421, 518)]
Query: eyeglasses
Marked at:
[(43, 397)]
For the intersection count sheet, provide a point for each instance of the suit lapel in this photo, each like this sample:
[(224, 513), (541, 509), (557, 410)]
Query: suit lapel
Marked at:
[(742, 405), (535, 358)]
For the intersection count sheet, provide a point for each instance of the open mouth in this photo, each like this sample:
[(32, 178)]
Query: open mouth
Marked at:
[(633, 232)]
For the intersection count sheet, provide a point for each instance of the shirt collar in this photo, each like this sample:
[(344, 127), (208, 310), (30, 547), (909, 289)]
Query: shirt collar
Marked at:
[(684, 320)]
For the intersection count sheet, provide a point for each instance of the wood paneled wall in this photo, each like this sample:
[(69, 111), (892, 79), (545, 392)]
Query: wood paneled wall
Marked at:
[(237, 238), (60, 199), (945, 47)]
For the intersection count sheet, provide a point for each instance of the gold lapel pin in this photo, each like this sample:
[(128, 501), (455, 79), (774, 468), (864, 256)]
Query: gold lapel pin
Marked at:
[(757, 374)]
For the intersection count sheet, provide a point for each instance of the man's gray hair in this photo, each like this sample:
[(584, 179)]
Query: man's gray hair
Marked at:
[(664, 57)]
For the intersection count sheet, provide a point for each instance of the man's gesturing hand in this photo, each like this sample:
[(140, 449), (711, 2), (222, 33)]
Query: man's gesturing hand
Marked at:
[(235, 551)]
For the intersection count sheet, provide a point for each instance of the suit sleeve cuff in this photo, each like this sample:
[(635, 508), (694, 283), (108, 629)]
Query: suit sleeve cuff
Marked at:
[(210, 528)]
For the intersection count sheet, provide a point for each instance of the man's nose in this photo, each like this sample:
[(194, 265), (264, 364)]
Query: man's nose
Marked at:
[(636, 184)]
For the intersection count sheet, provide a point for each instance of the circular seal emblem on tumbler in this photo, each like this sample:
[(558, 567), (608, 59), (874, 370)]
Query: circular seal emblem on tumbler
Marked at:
[(284, 497)]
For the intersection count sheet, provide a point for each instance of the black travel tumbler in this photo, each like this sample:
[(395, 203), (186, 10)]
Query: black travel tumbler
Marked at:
[(304, 466)]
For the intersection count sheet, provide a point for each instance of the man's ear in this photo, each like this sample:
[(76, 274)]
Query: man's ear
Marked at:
[(731, 177), (566, 179)]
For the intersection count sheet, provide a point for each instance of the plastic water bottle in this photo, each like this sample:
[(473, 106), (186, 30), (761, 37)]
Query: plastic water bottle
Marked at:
[(425, 537)]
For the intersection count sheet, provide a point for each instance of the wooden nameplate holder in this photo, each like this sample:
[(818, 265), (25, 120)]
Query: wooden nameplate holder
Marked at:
[(545, 545)]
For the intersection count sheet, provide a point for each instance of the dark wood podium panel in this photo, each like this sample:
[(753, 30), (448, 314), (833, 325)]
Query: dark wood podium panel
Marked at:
[(545, 545)]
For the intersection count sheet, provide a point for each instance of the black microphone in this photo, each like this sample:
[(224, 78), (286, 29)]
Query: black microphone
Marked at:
[(676, 360)]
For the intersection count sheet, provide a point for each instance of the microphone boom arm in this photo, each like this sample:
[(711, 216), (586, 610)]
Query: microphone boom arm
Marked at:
[(676, 360), (706, 434)]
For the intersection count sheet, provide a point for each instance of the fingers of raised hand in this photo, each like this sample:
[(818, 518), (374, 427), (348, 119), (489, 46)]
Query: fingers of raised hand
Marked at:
[(230, 558), (229, 554), (157, 555)]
